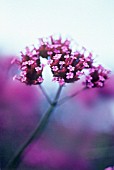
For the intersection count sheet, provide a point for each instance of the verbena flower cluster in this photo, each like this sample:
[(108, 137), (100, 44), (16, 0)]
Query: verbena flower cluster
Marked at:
[(67, 65), (97, 76)]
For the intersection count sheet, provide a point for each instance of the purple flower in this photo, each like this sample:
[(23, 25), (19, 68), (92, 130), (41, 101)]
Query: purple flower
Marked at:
[(31, 68), (55, 68), (71, 68), (69, 75), (65, 63), (57, 56), (97, 77), (62, 59), (17, 101), (40, 79), (61, 81), (61, 62)]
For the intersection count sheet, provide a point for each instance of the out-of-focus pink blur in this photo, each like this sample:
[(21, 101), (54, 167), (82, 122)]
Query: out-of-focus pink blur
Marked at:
[(78, 136)]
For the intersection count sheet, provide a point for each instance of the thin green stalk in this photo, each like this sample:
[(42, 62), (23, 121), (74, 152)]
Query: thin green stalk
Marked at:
[(58, 94), (15, 161), (66, 98), (45, 94)]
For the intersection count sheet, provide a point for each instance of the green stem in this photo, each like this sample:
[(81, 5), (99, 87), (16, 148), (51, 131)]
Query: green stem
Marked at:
[(66, 98), (45, 94), (15, 161), (58, 94)]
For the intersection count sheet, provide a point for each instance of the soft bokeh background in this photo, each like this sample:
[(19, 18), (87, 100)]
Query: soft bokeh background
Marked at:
[(80, 132)]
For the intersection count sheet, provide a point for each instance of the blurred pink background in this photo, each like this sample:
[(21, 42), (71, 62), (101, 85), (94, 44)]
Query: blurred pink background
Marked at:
[(79, 134)]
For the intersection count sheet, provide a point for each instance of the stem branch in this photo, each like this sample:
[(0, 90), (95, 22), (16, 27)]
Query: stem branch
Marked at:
[(65, 99), (15, 161), (45, 94)]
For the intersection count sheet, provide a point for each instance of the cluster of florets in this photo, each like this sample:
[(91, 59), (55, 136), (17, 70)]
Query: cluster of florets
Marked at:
[(31, 68), (67, 65), (97, 76), (50, 46)]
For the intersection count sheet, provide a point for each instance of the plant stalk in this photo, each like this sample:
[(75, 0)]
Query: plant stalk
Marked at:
[(15, 161)]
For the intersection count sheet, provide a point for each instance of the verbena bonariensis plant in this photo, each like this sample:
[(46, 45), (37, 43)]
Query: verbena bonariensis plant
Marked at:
[(67, 66)]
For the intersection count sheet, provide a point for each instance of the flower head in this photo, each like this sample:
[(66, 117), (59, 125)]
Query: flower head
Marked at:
[(51, 47), (97, 76), (67, 65), (69, 75), (31, 68), (63, 61)]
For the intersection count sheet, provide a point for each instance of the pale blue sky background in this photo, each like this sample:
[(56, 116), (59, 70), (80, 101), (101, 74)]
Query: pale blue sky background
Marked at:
[(89, 22)]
